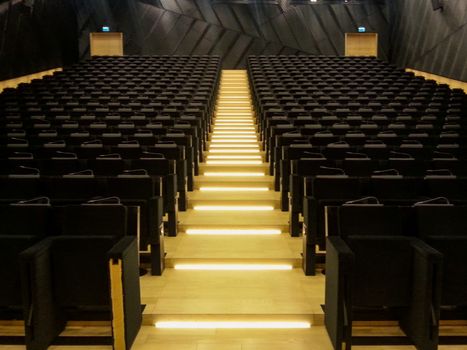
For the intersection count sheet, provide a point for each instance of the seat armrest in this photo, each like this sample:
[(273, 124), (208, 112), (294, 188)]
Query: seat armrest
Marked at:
[(338, 292), (421, 323), (122, 248)]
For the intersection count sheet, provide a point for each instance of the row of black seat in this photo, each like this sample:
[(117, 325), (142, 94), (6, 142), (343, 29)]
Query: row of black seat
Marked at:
[(114, 123), (83, 268), (404, 264), (326, 190)]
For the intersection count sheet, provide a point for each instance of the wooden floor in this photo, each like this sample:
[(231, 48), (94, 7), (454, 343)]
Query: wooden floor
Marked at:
[(187, 295)]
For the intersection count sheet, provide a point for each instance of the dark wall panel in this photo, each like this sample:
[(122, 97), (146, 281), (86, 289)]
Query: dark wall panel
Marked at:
[(431, 41), (37, 37), (232, 30)]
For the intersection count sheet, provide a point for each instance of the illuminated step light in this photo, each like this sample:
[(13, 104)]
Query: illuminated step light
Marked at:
[(234, 93), (233, 141), (234, 133), (236, 151), (234, 189), (233, 113), (235, 127), (229, 108), (233, 120), (234, 267), (236, 102), (249, 123), (231, 146), (228, 137), (234, 162), (240, 232), (241, 135), (235, 123), (234, 157), (232, 325), (233, 208), (232, 174)]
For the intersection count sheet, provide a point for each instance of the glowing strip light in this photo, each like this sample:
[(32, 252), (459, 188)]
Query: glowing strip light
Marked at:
[(225, 96), (233, 157), (232, 325), (232, 174), (230, 108), (233, 113), (233, 102), (233, 208), (226, 137), (234, 189), (239, 135), (234, 162), (222, 122), (239, 124), (234, 133), (231, 146), (252, 142), (234, 267), (236, 151), (235, 120), (233, 128), (240, 232)]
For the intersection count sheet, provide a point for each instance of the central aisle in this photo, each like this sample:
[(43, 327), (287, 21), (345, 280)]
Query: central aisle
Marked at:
[(233, 258)]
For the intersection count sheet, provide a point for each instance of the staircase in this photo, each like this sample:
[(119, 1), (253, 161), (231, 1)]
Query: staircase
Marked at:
[(233, 223)]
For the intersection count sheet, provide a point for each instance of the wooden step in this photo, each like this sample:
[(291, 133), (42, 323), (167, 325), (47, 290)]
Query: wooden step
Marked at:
[(269, 219)]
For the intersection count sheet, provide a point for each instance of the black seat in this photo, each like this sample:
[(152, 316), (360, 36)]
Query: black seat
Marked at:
[(81, 278), (364, 281)]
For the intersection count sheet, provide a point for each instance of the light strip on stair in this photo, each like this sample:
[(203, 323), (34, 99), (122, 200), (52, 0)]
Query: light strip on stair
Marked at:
[(234, 133), (240, 232), (221, 138), (235, 102), (250, 124), (233, 114), (234, 267), (233, 208), (232, 325), (230, 146), (233, 136), (232, 174), (234, 189), (236, 151), (234, 157), (234, 162), (234, 128), (233, 108), (246, 118), (232, 141)]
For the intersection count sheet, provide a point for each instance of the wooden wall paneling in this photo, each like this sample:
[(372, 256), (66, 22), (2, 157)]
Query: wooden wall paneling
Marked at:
[(361, 44), (106, 44)]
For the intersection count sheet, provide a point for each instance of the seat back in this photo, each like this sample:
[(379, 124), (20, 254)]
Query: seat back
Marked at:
[(80, 272), (383, 271)]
